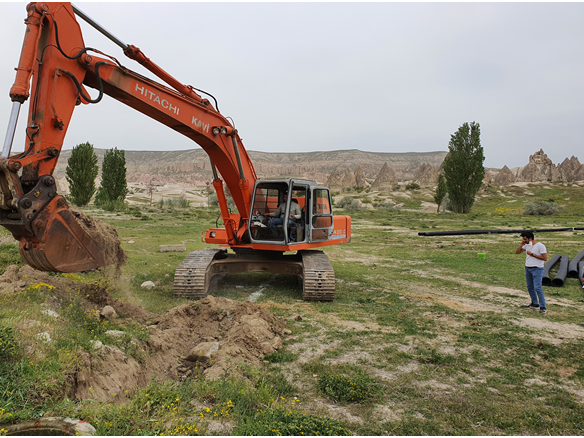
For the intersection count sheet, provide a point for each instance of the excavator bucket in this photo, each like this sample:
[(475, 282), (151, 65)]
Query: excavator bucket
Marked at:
[(60, 243)]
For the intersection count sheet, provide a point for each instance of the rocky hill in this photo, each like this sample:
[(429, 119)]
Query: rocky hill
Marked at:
[(339, 170), (193, 168)]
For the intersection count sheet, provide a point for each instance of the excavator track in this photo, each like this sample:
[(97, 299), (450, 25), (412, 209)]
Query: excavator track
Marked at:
[(193, 277), (319, 277)]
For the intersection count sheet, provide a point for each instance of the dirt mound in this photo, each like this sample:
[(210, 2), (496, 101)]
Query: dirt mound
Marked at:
[(105, 235), (16, 280), (212, 337)]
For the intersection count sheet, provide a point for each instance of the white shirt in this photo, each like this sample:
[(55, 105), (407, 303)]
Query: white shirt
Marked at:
[(537, 249)]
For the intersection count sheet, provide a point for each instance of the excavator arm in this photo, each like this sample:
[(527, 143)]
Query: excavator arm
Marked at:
[(55, 57)]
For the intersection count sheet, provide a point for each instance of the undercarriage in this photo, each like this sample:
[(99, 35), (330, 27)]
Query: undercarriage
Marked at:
[(194, 277)]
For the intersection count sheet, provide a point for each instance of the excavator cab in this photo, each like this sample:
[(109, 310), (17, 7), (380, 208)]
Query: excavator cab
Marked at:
[(307, 210)]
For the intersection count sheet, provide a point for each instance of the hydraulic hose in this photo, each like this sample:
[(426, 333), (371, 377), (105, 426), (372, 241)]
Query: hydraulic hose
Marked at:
[(546, 281), (560, 277), (573, 267)]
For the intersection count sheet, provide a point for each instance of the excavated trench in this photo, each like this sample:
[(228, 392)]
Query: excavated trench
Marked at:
[(212, 336)]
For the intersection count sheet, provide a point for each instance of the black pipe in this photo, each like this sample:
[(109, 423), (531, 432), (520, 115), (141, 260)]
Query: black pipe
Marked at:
[(573, 267), (467, 232), (560, 277), (546, 281), (581, 271), (578, 228)]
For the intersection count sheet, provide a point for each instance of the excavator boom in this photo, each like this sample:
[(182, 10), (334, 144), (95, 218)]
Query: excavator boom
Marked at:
[(54, 69), (55, 57)]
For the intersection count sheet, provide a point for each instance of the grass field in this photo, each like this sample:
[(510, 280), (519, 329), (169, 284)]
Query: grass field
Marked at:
[(423, 338)]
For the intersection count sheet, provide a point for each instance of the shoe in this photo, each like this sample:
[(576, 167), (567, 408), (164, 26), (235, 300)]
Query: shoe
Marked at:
[(531, 306), (542, 310)]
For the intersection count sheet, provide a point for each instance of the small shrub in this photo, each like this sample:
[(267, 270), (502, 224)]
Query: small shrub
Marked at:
[(280, 421), (350, 204), (173, 203), (280, 356), (539, 208), (7, 342), (388, 206), (116, 205), (279, 384), (214, 202), (341, 388), (435, 358), (179, 202), (413, 186)]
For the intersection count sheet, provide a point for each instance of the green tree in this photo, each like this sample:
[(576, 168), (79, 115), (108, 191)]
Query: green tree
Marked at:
[(81, 172), (463, 167), (440, 191), (113, 188)]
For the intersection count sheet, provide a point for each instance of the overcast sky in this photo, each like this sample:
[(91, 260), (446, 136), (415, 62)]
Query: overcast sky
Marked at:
[(380, 77)]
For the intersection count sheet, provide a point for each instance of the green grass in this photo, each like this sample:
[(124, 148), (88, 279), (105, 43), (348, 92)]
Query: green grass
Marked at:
[(281, 356), (438, 332), (9, 255), (283, 422), (338, 387)]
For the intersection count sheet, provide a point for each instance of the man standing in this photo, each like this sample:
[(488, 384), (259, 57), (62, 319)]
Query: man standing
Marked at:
[(535, 259)]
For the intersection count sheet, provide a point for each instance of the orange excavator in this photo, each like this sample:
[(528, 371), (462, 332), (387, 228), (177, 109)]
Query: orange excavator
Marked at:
[(279, 224)]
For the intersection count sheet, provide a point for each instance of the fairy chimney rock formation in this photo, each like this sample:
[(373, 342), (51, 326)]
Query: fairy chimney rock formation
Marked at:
[(385, 180), (335, 179), (540, 168), (571, 170), (426, 175), (505, 176), (348, 179), (342, 179), (360, 177)]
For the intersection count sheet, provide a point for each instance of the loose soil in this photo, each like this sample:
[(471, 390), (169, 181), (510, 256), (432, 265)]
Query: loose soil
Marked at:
[(213, 337), (105, 235)]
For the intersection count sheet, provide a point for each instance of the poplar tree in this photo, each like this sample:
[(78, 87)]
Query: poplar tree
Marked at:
[(81, 172), (113, 188), (440, 191), (463, 167)]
